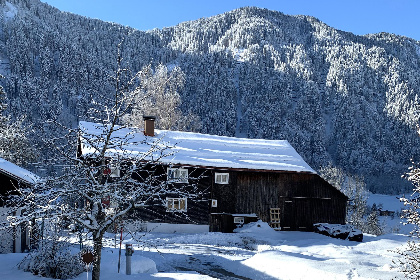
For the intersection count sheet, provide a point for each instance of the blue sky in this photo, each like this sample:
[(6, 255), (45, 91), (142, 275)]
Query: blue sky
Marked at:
[(401, 17)]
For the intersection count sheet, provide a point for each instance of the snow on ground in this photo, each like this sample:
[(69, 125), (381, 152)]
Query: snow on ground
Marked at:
[(392, 223), (253, 252), (386, 202)]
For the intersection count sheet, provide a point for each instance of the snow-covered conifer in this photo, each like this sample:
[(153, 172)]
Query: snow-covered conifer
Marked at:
[(409, 260), (14, 143)]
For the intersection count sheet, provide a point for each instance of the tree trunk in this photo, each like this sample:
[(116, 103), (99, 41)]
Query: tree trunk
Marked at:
[(97, 251)]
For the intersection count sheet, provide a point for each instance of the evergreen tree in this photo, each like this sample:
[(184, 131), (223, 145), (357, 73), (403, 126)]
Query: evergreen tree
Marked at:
[(409, 261), (336, 97), (14, 143)]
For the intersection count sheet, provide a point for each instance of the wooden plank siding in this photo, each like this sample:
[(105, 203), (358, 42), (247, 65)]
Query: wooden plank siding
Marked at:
[(304, 198), (197, 207), (14, 238), (225, 194)]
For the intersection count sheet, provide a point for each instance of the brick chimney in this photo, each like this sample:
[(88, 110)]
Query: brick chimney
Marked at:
[(149, 125)]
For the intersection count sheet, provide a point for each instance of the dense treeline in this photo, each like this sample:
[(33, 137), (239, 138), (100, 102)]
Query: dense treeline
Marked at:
[(337, 97)]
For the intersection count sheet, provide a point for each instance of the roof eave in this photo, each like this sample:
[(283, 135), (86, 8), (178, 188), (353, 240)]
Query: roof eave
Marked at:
[(17, 178)]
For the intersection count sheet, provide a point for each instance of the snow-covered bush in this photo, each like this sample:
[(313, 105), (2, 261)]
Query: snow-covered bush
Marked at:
[(409, 261), (53, 259), (141, 264), (255, 228), (373, 225), (6, 242)]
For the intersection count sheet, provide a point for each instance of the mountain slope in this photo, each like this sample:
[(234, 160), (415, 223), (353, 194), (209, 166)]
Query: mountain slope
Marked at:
[(335, 96)]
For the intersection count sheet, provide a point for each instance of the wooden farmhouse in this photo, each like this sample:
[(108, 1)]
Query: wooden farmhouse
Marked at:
[(17, 239), (241, 180)]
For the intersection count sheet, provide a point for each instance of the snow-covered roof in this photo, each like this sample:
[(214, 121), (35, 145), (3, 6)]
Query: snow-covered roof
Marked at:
[(17, 172), (212, 151)]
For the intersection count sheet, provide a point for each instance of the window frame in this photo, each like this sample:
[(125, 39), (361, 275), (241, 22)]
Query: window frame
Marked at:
[(275, 214), (180, 175), (239, 220), (221, 176), (172, 201), (115, 172)]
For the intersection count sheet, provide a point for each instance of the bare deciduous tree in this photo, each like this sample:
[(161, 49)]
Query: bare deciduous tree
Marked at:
[(82, 192), (160, 97)]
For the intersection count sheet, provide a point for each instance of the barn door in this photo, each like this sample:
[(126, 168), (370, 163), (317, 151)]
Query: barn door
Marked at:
[(289, 215), (275, 218)]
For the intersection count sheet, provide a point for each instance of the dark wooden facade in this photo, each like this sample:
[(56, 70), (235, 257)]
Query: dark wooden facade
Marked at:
[(303, 199), (6, 185), (196, 191), (9, 183)]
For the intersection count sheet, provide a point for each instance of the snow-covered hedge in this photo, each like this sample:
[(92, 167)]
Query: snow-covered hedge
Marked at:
[(6, 241), (339, 231)]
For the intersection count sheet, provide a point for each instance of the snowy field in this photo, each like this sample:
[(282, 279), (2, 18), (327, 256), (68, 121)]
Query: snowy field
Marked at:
[(257, 252), (254, 252)]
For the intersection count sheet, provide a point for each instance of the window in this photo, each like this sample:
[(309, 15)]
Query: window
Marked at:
[(238, 220), (213, 203), (176, 204), (275, 218), (112, 171), (222, 178), (115, 172), (178, 175)]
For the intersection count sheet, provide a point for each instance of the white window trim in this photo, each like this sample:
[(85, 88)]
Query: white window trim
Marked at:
[(221, 178), (171, 202), (180, 175), (238, 220), (115, 172)]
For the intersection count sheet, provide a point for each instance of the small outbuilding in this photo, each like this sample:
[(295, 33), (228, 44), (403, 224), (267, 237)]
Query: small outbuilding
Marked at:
[(12, 177)]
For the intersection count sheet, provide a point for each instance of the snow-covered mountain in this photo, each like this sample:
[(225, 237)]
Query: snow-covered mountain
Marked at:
[(335, 96)]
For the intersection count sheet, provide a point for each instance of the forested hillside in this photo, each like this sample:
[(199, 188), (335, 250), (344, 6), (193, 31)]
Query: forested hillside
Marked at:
[(337, 97)]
